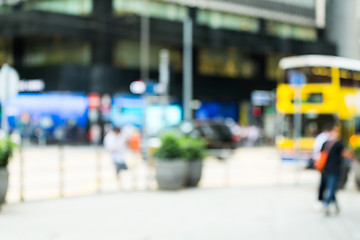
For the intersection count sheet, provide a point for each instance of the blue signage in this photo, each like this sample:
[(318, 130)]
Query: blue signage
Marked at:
[(297, 78)]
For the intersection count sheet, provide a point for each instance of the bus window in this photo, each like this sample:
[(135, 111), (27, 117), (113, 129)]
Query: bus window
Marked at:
[(313, 74), (357, 83), (346, 130), (349, 78), (315, 98), (344, 82), (318, 75), (357, 125), (311, 124)]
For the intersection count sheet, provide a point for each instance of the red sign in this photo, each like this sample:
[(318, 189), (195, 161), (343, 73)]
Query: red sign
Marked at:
[(256, 111), (94, 100)]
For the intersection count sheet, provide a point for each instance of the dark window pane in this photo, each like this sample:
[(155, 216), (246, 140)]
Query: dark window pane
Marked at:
[(312, 74)]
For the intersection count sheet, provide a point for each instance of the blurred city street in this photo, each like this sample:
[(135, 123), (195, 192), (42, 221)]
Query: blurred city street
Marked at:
[(174, 119), (261, 198)]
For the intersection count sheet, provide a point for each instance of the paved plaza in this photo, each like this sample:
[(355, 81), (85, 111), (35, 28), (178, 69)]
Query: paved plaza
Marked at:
[(250, 196), (272, 212)]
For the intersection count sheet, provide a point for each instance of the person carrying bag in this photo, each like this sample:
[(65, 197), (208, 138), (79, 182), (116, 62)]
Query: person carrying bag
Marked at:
[(330, 165), (320, 163)]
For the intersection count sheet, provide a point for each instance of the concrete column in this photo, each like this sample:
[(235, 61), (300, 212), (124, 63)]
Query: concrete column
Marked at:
[(102, 8), (343, 27), (18, 49), (102, 45)]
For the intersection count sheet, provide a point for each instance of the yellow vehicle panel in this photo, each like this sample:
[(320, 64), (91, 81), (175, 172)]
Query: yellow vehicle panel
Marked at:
[(347, 103), (286, 93), (289, 144)]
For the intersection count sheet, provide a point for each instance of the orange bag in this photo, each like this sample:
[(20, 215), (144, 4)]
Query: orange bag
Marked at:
[(135, 141), (321, 161), (323, 156)]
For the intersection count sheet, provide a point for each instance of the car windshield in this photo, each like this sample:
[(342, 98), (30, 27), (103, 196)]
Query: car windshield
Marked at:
[(208, 131)]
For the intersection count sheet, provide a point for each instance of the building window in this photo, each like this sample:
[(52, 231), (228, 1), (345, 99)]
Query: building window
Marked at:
[(5, 52), (127, 55), (227, 63), (54, 51), (156, 9), (216, 19), (273, 71), (303, 3), (74, 7), (5, 8), (286, 30)]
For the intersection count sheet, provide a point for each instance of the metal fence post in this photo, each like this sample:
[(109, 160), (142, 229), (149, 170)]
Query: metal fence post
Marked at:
[(21, 168), (98, 168), (61, 169)]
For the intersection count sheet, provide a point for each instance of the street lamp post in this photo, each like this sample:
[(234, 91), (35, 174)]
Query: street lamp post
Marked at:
[(187, 68), (144, 41), (144, 74), (164, 79), (297, 80)]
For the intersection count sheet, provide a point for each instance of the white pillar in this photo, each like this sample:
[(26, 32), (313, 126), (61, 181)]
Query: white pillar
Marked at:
[(187, 69)]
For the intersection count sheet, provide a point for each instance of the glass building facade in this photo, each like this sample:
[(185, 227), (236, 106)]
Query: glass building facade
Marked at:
[(57, 50), (94, 45), (74, 7)]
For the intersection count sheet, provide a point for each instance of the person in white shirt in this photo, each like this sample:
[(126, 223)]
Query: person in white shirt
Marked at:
[(115, 142), (318, 144)]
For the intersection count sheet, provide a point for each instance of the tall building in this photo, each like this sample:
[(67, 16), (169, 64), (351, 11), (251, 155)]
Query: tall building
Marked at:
[(93, 45), (343, 27)]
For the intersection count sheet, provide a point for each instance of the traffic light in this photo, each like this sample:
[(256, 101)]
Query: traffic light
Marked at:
[(256, 111)]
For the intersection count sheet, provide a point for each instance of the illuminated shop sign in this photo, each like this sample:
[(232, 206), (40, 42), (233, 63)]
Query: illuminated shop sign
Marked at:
[(35, 85)]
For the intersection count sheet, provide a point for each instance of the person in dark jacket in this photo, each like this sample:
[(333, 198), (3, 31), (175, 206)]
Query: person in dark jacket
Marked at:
[(332, 170)]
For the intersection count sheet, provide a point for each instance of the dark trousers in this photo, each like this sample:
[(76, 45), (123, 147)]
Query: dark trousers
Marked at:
[(331, 181), (322, 188), (119, 167)]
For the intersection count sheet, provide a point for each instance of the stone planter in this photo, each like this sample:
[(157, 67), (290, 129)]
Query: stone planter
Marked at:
[(4, 177), (193, 173), (356, 169), (170, 174)]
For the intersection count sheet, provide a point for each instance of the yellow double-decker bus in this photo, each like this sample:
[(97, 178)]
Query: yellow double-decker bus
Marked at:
[(330, 93)]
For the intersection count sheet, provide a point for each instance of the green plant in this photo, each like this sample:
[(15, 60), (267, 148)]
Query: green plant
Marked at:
[(170, 148), (6, 151), (193, 148)]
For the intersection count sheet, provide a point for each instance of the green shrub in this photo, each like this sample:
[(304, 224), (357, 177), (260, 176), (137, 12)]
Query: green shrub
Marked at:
[(6, 151), (175, 147), (193, 148), (170, 148)]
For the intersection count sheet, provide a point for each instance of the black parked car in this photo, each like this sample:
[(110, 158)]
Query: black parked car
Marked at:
[(217, 135)]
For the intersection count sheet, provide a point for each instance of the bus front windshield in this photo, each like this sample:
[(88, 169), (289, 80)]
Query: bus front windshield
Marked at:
[(311, 124)]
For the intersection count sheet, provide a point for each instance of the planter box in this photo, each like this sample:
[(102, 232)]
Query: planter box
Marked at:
[(4, 177), (194, 173), (171, 174)]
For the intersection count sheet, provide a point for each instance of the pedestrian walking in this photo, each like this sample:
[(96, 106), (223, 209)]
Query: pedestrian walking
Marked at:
[(333, 166), (115, 142), (320, 139)]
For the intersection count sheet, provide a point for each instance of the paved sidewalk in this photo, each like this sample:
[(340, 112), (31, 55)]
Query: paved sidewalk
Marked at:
[(272, 212), (251, 195)]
